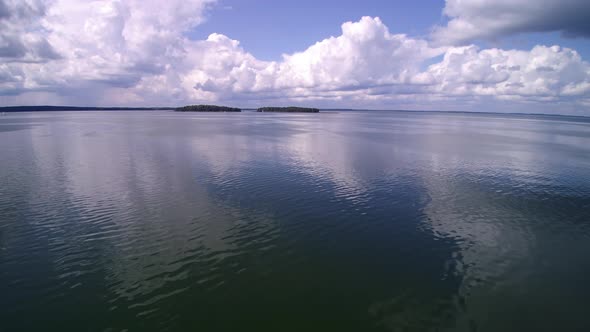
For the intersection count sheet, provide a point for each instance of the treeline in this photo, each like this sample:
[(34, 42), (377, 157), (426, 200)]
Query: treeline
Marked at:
[(290, 109), (207, 108), (188, 108)]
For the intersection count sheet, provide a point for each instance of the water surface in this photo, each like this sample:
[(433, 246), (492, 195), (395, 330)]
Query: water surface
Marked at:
[(350, 221)]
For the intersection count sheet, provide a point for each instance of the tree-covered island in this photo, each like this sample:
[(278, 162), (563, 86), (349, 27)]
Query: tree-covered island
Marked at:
[(290, 109), (206, 108)]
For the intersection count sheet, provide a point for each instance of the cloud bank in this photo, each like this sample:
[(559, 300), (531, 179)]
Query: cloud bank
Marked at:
[(489, 19), (137, 53)]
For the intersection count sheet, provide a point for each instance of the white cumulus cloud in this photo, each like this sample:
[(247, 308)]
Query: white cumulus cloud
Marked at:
[(543, 73), (136, 53)]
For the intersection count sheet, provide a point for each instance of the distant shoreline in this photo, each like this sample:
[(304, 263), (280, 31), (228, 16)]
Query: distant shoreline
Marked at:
[(46, 108), (290, 109), (78, 108), (207, 108)]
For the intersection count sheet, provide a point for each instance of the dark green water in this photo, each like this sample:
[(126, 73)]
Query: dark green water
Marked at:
[(352, 221)]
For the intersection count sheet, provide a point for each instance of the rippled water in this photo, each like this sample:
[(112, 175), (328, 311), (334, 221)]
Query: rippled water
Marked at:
[(351, 221)]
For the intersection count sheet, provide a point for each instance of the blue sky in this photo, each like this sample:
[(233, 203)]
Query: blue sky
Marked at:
[(468, 55), (269, 28)]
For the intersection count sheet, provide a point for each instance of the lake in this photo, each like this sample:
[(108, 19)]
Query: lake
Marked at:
[(338, 221)]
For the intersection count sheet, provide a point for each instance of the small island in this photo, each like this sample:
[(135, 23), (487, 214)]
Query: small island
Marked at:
[(206, 108), (290, 109)]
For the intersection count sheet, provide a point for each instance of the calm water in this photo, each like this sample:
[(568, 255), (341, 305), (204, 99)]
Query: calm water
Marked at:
[(352, 221)]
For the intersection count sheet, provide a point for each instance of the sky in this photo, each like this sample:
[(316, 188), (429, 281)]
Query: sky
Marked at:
[(461, 55)]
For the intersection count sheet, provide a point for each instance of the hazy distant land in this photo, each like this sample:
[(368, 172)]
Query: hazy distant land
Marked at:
[(187, 108), (215, 108), (207, 108), (290, 109), (77, 108)]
